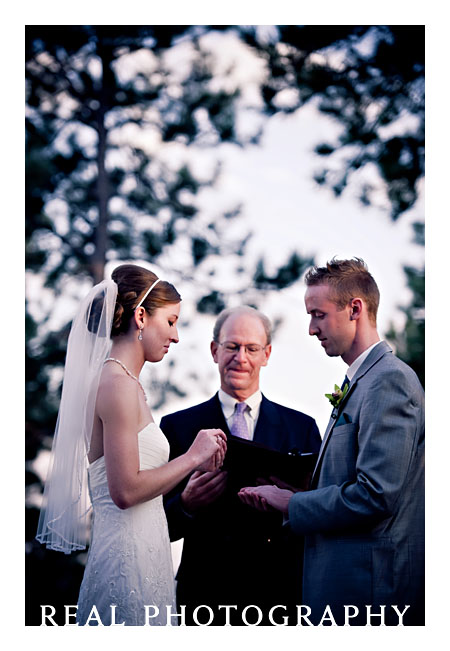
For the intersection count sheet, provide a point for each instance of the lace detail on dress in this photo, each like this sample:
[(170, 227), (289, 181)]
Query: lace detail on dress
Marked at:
[(130, 562)]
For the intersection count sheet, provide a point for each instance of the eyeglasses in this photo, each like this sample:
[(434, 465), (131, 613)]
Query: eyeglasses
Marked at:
[(231, 347)]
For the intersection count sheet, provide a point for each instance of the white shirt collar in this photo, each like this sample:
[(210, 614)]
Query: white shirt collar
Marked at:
[(359, 360), (228, 403)]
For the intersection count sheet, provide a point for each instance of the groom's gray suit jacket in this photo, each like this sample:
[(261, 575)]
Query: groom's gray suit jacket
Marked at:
[(364, 517)]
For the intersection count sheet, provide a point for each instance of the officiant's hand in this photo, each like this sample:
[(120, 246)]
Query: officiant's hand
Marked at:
[(266, 498), (202, 489)]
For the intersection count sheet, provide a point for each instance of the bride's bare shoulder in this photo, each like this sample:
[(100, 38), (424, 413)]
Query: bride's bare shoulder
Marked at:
[(116, 389)]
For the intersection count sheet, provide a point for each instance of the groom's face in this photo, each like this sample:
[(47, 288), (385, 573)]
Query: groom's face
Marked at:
[(332, 326)]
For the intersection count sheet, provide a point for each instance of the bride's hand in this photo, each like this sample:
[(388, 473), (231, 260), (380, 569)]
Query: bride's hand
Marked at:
[(209, 448)]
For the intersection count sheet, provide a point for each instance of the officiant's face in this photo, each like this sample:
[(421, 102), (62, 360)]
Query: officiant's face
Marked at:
[(239, 370)]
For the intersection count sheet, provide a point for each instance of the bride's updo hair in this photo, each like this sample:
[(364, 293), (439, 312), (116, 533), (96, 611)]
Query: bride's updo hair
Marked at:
[(132, 282)]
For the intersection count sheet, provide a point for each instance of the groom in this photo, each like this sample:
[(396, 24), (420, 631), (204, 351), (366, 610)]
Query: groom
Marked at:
[(363, 520), (233, 555)]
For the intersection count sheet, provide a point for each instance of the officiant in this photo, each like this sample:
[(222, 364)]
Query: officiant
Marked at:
[(256, 560)]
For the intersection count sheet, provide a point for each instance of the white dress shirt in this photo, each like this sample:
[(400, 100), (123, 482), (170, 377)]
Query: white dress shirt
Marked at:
[(250, 414), (358, 361)]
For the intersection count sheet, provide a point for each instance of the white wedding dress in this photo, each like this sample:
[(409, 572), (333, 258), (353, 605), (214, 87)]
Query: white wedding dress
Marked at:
[(129, 563)]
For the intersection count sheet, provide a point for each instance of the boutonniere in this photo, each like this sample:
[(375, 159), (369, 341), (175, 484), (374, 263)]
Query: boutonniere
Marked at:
[(337, 395)]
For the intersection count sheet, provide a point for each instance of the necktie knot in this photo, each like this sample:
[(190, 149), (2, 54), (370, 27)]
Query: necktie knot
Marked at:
[(240, 407)]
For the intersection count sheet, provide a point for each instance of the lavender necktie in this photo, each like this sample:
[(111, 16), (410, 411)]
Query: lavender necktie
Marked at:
[(239, 426)]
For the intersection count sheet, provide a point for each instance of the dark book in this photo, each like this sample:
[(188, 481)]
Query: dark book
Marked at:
[(248, 462)]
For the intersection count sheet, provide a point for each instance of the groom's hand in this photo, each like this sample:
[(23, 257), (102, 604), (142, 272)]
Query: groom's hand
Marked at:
[(282, 484), (202, 489), (273, 480), (265, 498)]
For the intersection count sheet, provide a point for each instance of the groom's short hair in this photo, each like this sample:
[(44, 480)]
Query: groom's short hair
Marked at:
[(347, 279)]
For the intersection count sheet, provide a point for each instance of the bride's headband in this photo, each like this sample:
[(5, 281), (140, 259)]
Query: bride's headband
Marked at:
[(147, 293)]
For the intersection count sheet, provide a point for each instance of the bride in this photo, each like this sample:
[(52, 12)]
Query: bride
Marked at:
[(107, 443)]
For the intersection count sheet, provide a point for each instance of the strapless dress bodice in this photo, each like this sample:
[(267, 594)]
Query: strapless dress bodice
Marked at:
[(153, 452)]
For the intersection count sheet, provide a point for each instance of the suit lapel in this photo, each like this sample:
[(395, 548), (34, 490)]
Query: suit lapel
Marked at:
[(376, 354), (215, 414), (267, 430), (373, 357)]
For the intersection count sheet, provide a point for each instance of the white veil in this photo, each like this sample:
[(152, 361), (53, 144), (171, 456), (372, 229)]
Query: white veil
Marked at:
[(63, 519)]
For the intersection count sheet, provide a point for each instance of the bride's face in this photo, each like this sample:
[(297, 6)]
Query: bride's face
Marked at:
[(160, 331)]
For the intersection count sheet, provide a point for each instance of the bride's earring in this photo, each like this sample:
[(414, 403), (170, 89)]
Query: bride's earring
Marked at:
[(140, 333)]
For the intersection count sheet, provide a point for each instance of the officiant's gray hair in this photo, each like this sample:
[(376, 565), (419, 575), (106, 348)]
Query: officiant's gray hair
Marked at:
[(242, 309)]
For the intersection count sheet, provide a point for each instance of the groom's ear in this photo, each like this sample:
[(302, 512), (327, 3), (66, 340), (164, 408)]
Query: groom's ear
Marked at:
[(356, 308)]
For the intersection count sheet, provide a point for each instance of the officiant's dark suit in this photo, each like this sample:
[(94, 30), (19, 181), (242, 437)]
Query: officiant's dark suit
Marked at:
[(232, 554)]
